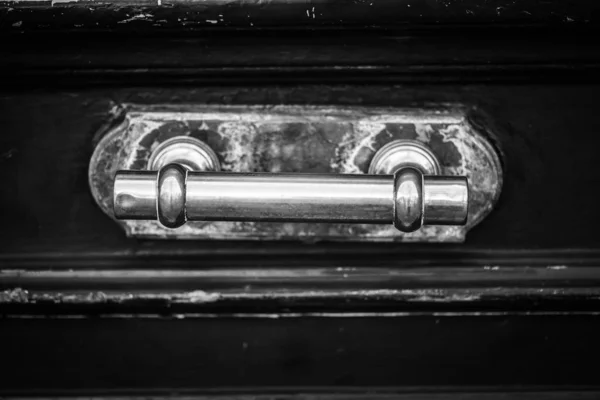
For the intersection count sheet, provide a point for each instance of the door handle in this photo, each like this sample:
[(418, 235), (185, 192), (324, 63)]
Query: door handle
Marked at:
[(404, 188)]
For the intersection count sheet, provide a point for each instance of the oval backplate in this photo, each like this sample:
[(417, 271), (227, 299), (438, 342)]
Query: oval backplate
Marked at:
[(304, 139)]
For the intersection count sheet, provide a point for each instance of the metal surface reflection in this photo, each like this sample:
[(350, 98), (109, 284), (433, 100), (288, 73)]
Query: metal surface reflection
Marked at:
[(407, 199), (289, 197), (135, 194)]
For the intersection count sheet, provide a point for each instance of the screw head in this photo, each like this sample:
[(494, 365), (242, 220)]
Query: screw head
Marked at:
[(404, 153), (192, 153)]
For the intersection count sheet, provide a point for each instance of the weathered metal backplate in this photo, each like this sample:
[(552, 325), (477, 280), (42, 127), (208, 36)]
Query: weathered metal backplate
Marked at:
[(303, 139)]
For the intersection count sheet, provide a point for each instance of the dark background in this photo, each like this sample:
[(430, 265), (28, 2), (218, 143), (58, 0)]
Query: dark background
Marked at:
[(514, 309)]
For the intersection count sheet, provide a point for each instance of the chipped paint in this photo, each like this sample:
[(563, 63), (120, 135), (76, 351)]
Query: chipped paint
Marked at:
[(138, 17), (16, 295), (491, 267), (323, 139), (19, 295)]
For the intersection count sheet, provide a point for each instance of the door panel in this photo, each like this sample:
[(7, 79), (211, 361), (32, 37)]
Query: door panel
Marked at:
[(513, 311)]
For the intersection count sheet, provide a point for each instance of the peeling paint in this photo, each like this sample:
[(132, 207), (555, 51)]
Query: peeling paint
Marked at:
[(19, 295)]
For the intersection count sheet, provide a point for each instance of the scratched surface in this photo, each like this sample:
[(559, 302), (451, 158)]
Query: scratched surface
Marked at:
[(298, 139), (83, 15)]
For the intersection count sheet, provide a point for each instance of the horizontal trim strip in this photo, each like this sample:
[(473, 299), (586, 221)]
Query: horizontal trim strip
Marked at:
[(442, 314), (523, 392), (448, 74), (493, 275), (300, 291), (192, 255)]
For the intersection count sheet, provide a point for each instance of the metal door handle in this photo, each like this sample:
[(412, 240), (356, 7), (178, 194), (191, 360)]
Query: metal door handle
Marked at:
[(402, 188)]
